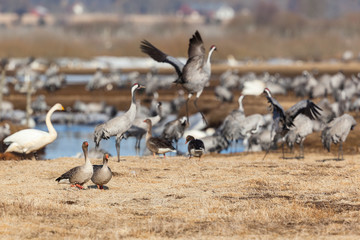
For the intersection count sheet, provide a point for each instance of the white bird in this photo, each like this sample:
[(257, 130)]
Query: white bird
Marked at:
[(119, 125), (195, 74), (30, 140)]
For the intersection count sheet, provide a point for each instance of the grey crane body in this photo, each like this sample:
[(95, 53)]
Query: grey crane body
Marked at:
[(303, 126), (102, 173), (174, 130), (119, 125), (79, 175), (232, 121), (337, 131), (195, 74)]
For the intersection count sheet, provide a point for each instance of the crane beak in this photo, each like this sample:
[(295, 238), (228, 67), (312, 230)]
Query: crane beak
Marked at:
[(141, 86)]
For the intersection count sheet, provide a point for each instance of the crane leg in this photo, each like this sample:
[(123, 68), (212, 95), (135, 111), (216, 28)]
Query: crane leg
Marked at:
[(340, 152), (271, 140), (197, 109), (117, 145), (137, 146), (187, 106), (301, 149)]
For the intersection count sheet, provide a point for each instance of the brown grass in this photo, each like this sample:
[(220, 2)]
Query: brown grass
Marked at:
[(222, 196)]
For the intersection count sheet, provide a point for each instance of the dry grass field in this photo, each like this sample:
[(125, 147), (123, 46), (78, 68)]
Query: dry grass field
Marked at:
[(222, 196)]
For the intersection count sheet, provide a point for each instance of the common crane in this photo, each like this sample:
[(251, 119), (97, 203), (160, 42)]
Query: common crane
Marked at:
[(195, 74), (119, 125)]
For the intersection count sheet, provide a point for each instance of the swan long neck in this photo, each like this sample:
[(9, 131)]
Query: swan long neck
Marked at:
[(49, 125)]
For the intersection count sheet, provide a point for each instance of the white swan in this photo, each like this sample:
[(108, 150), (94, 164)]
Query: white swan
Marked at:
[(30, 140)]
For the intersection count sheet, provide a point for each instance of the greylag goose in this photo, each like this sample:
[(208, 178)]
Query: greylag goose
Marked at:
[(139, 127), (196, 147), (195, 74), (337, 131), (157, 145), (119, 125), (79, 175), (102, 173), (30, 140)]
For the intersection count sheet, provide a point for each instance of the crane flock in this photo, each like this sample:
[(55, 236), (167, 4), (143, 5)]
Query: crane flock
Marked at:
[(256, 131)]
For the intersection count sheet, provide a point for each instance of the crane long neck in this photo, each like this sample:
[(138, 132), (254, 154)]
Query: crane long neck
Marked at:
[(241, 107), (133, 102), (49, 125), (209, 56)]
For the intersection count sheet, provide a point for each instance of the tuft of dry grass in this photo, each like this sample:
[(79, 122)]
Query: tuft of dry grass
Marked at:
[(222, 196)]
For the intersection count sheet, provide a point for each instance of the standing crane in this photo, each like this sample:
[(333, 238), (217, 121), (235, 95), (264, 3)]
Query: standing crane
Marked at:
[(119, 125), (195, 74), (337, 131), (284, 120)]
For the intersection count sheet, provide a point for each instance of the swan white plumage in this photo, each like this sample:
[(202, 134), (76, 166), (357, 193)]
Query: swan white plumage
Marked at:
[(30, 140)]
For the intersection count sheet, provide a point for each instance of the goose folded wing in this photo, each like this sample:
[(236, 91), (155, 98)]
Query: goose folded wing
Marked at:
[(68, 174), (159, 56), (197, 144), (162, 143)]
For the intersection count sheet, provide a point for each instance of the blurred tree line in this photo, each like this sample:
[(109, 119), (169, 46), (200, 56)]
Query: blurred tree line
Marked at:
[(307, 8)]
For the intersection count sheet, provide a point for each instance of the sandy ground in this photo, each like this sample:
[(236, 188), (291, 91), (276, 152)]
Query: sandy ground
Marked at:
[(221, 196)]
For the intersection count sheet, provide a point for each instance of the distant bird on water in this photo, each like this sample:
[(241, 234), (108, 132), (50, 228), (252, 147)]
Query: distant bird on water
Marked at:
[(119, 125), (337, 131), (79, 175), (102, 173), (196, 147), (157, 145), (30, 140), (195, 74)]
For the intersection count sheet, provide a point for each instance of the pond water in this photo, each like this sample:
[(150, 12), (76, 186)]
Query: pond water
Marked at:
[(70, 138)]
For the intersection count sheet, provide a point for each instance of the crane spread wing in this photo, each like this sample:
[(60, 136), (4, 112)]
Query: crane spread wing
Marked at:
[(305, 107), (277, 109), (159, 56), (196, 46)]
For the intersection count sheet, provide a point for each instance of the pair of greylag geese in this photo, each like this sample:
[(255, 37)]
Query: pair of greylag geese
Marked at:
[(78, 176)]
